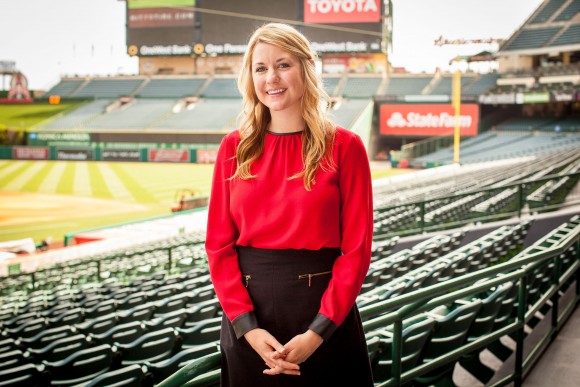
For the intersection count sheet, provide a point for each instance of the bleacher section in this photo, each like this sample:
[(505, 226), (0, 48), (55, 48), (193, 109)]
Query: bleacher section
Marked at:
[(109, 88), (204, 115), (348, 112), (361, 87), (137, 114), (532, 38), (77, 118), (484, 83), (171, 88), (330, 84), (407, 85), (570, 36), (221, 88), (65, 87), (569, 12), (501, 146), (547, 12), (445, 84)]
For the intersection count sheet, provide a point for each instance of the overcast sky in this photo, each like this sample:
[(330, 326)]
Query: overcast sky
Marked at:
[(48, 39)]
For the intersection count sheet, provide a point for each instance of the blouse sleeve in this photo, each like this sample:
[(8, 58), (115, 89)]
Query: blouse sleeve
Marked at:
[(356, 227), (220, 243)]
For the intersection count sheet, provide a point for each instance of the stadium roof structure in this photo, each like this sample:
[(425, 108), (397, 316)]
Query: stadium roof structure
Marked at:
[(554, 26)]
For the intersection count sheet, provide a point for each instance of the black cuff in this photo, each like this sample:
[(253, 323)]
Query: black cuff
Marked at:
[(323, 326), (244, 323)]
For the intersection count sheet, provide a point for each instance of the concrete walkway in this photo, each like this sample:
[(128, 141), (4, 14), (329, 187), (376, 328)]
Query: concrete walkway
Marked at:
[(559, 366)]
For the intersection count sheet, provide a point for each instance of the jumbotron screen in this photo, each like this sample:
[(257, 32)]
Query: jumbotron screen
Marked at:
[(222, 27)]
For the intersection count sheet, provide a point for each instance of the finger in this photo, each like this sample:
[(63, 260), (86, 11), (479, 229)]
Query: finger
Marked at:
[(287, 365), (276, 345)]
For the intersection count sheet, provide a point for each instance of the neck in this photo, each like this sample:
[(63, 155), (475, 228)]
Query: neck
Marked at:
[(286, 123)]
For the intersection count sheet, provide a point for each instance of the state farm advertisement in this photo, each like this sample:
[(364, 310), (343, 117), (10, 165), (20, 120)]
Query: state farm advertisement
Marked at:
[(428, 120), (342, 11)]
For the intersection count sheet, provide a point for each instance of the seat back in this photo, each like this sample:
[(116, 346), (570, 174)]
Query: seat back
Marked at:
[(128, 376), (451, 329), (416, 332), (82, 366), (163, 369), (122, 333), (205, 331), (152, 346), (60, 349)]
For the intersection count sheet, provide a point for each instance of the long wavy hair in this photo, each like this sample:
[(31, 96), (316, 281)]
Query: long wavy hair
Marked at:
[(318, 135)]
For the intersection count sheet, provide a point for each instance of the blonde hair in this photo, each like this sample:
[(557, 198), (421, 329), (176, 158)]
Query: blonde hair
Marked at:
[(318, 135)]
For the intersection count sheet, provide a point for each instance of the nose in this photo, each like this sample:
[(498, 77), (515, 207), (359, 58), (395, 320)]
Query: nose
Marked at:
[(272, 76)]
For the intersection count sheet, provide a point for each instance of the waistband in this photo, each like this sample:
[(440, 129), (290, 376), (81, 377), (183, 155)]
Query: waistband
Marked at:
[(286, 261)]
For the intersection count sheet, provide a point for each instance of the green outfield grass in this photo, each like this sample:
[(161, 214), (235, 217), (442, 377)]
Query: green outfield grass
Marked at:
[(25, 116), (151, 185)]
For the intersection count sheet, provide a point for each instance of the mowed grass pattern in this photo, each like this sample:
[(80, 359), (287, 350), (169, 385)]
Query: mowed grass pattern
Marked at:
[(151, 185), (143, 183)]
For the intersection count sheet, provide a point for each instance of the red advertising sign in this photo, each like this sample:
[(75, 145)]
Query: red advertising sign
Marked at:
[(169, 155), (30, 153), (342, 11), (206, 156), (428, 120)]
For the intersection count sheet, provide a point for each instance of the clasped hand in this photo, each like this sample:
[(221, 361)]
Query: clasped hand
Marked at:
[(283, 359)]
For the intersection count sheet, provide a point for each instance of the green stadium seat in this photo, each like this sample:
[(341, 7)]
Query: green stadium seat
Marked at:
[(59, 349), (163, 369), (46, 337), (138, 313), (416, 331), (8, 344), (28, 328), (153, 346), (205, 331), (174, 319), (97, 325), (450, 332), (103, 308), (12, 359), (483, 325), (27, 375), (130, 376), (122, 333), (80, 367)]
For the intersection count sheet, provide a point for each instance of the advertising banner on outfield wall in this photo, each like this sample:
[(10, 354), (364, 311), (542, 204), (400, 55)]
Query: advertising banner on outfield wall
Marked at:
[(160, 13), (427, 119), (75, 154), (30, 153), (342, 11), (206, 156), (121, 155), (169, 155)]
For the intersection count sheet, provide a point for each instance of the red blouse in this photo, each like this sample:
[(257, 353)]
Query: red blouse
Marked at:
[(272, 212)]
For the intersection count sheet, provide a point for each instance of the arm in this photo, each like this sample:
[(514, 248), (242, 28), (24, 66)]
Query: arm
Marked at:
[(220, 242), (356, 227)]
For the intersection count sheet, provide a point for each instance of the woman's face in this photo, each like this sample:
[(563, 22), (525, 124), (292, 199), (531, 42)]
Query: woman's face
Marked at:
[(277, 78)]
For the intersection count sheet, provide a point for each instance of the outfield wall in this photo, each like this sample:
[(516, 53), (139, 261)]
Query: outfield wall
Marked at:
[(189, 153)]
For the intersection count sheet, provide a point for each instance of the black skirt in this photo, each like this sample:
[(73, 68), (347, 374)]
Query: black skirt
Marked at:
[(285, 302)]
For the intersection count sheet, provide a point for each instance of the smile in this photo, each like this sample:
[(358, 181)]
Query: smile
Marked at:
[(277, 91)]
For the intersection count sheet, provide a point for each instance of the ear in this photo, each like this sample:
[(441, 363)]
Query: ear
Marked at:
[(311, 61)]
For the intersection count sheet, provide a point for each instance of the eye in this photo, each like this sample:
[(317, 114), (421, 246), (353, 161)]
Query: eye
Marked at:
[(260, 69), (283, 65)]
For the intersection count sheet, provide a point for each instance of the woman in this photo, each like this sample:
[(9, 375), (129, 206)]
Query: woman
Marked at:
[(290, 227)]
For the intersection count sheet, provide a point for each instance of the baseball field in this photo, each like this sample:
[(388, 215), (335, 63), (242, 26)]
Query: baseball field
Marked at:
[(39, 199)]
